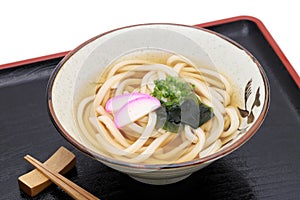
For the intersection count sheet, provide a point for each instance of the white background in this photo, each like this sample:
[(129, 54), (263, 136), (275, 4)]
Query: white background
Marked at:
[(31, 29)]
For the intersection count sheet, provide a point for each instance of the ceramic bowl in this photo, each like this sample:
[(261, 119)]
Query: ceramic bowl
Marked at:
[(74, 78)]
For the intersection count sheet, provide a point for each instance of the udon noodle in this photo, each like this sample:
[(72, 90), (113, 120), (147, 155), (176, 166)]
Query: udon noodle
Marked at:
[(140, 141)]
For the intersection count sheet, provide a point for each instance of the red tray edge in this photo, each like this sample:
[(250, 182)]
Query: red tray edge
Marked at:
[(268, 37), (258, 22)]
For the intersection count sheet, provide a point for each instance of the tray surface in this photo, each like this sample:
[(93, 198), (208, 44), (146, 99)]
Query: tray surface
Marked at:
[(266, 167)]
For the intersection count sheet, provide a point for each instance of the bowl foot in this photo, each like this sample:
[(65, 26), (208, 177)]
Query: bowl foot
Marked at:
[(158, 181)]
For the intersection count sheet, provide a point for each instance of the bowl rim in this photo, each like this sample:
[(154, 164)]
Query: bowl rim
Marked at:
[(95, 155)]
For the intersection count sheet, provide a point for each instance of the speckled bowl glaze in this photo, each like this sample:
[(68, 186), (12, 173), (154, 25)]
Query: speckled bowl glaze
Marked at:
[(72, 78)]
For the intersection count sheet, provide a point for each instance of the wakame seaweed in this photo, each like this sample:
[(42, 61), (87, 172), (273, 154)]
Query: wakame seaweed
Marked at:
[(180, 105)]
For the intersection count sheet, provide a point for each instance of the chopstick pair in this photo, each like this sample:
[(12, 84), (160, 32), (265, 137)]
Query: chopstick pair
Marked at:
[(68, 186)]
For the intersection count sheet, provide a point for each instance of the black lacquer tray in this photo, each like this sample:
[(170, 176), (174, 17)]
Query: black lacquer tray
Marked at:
[(266, 167)]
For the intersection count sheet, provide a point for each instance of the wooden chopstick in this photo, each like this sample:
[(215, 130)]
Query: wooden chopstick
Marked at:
[(68, 186)]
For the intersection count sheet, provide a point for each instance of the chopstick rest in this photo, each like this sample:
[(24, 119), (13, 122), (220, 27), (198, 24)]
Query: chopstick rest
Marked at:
[(68, 186), (33, 182)]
